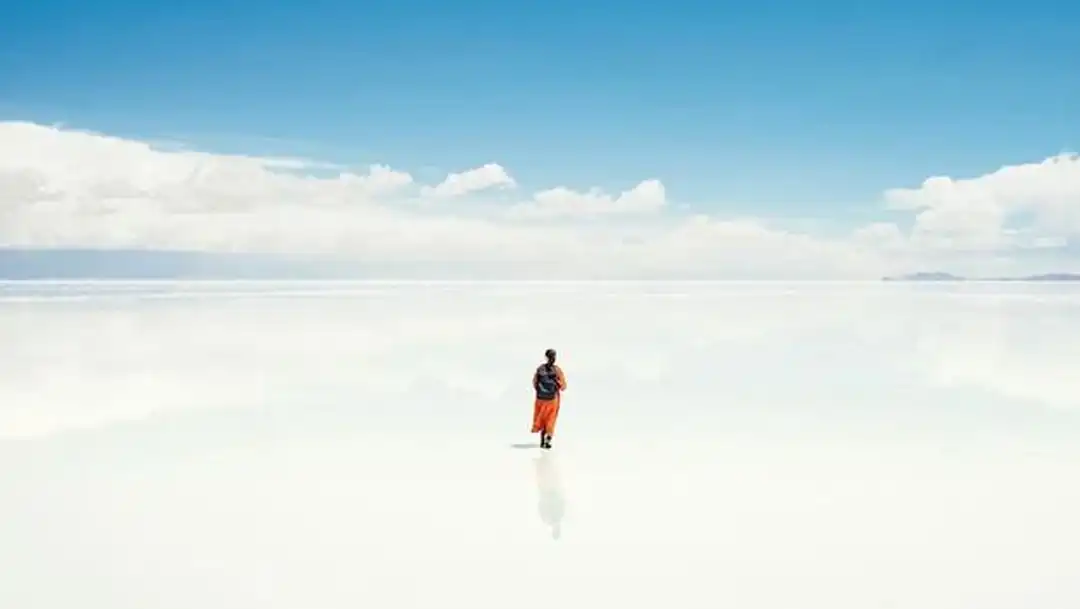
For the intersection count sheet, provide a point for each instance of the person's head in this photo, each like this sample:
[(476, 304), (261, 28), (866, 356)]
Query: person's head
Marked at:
[(550, 355)]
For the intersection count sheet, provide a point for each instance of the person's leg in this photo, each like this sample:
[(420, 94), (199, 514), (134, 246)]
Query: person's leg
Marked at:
[(544, 420), (537, 420), (552, 419)]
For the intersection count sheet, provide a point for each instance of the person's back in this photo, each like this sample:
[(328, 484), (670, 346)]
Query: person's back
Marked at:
[(548, 382)]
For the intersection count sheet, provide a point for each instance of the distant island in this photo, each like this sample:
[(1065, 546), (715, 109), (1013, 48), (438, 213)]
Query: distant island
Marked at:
[(937, 276)]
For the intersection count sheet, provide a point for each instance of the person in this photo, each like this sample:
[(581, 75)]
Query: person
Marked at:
[(548, 382)]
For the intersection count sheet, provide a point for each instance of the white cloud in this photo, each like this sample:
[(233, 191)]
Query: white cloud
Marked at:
[(491, 175), (647, 197), (1026, 205), (67, 188), (190, 347), (880, 234), (132, 353)]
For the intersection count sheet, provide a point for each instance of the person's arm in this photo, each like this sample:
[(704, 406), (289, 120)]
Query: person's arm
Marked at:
[(561, 377), (536, 380)]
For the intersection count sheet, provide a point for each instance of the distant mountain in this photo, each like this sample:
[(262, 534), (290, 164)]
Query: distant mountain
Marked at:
[(1047, 277), (950, 277)]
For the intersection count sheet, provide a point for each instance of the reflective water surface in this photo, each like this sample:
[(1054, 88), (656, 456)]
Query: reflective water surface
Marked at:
[(324, 445)]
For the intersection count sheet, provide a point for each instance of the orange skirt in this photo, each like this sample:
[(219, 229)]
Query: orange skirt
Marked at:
[(545, 415)]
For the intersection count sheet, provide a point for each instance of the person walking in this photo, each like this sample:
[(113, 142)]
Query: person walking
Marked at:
[(548, 382)]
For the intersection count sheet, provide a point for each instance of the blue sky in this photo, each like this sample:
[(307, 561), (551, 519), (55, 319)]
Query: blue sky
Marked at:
[(778, 109)]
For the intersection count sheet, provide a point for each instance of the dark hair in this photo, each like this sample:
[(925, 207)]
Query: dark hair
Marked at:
[(550, 355)]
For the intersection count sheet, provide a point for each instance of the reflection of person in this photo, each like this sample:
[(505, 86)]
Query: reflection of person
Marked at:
[(552, 505), (548, 382)]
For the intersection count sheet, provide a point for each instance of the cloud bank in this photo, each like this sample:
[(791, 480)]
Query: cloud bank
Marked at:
[(63, 188), (97, 356)]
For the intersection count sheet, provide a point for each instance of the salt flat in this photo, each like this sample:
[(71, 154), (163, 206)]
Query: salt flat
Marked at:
[(344, 444)]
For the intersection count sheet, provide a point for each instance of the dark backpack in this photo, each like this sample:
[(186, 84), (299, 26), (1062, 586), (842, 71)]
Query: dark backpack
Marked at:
[(547, 383)]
